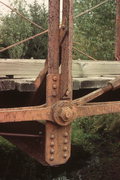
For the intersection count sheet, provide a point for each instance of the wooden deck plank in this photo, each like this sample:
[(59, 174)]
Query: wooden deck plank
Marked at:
[(86, 74)]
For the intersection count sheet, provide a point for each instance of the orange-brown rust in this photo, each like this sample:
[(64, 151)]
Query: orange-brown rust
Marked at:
[(60, 111), (89, 97), (60, 145), (52, 88), (25, 114), (64, 113), (97, 109), (66, 50)]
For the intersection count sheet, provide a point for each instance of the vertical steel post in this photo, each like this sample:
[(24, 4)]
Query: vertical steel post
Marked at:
[(117, 45), (57, 138), (66, 51)]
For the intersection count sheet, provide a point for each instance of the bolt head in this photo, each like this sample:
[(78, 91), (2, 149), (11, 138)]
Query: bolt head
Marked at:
[(65, 156), (54, 78), (51, 158), (65, 148), (65, 141), (52, 144), (52, 151), (54, 86), (52, 136), (66, 114), (66, 134)]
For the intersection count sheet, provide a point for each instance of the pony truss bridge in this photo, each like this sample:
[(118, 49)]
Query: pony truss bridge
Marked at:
[(44, 131)]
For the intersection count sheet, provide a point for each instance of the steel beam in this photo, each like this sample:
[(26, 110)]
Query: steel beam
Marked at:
[(37, 113)]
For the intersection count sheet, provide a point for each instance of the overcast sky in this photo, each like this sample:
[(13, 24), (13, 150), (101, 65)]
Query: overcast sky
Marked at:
[(4, 10)]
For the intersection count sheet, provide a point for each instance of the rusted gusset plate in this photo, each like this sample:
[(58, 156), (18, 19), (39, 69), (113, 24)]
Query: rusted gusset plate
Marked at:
[(58, 144), (37, 113), (91, 109), (27, 136), (117, 46)]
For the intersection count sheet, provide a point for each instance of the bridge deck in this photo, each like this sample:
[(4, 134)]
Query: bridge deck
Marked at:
[(19, 74)]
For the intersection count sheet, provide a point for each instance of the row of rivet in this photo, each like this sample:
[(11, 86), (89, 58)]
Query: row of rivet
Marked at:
[(65, 149), (52, 137), (52, 144), (54, 94)]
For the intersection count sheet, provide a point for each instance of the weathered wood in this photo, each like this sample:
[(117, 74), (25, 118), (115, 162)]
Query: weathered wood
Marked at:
[(29, 69), (87, 83), (6, 85), (86, 74), (95, 69), (21, 68)]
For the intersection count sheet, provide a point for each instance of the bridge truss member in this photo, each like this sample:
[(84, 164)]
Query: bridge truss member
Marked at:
[(44, 132)]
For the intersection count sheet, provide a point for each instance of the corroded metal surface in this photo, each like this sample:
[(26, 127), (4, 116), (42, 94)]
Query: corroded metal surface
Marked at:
[(64, 113), (98, 109), (94, 94), (56, 137), (25, 114), (52, 144), (53, 36), (57, 144), (66, 51)]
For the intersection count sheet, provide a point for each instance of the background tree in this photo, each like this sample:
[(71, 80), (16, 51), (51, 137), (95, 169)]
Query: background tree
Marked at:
[(38, 46), (95, 31), (14, 29)]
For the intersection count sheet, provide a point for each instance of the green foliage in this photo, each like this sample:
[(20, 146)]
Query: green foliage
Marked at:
[(92, 133), (95, 31), (38, 46), (15, 29)]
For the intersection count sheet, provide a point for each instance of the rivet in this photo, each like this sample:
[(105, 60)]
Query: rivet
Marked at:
[(65, 156), (54, 78), (51, 158), (65, 134), (54, 86), (65, 141), (52, 151), (65, 148), (52, 136), (52, 144)]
